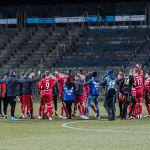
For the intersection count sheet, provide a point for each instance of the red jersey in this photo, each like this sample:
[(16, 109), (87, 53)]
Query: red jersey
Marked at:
[(147, 86), (85, 93), (139, 83), (46, 85), (141, 74), (60, 82), (39, 85)]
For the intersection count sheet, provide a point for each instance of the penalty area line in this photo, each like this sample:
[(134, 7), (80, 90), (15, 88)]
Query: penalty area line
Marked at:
[(68, 125)]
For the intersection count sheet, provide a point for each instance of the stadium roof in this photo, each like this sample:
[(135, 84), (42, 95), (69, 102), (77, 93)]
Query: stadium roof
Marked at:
[(8, 2)]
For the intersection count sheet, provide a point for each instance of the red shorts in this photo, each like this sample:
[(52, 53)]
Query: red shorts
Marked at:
[(85, 97), (79, 98), (120, 99), (27, 98), (139, 96), (47, 98)]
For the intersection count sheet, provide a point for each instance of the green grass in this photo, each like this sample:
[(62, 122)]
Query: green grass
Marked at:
[(46, 135)]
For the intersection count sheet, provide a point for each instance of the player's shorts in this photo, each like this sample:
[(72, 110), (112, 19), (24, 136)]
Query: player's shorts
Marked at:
[(120, 99), (79, 98), (85, 97), (27, 97), (139, 96), (46, 97)]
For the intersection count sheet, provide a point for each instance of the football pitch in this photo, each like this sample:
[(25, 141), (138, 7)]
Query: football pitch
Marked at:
[(75, 134)]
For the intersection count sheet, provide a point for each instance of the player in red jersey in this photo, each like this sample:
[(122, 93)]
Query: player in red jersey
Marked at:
[(42, 104), (2, 96), (85, 97), (46, 86), (147, 93), (60, 81), (22, 76), (139, 86)]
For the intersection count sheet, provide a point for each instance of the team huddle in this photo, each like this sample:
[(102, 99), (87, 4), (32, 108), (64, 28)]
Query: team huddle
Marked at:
[(83, 90)]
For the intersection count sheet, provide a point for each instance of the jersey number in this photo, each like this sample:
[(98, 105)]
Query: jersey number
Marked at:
[(47, 85), (139, 82)]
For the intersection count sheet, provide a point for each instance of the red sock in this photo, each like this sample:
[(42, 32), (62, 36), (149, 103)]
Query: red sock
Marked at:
[(140, 109), (49, 110), (79, 107), (136, 110), (42, 108), (23, 109), (82, 108), (84, 111), (93, 107)]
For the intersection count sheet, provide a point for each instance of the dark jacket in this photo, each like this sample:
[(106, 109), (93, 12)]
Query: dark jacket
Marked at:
[(128, 84), (27, 85), (79, 87), (21, 87), (120, 83), (55, 89), (12, 86)]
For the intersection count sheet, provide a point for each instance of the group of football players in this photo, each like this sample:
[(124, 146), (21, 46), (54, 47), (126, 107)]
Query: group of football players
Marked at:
[(83, 90)]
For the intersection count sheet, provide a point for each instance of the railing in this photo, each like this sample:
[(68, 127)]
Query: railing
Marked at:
[(57, 52)]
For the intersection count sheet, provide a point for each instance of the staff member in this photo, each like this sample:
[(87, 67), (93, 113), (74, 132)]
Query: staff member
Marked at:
[(55, 96), (110, 91), (12, 90), (128, 84), (69, 95)]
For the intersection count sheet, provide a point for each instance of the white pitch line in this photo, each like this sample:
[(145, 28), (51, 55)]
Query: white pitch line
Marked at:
[(67, 125)]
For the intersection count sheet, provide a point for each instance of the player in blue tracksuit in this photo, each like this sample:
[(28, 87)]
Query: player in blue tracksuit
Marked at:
[(69, 95), (94, 91), (110, 84)]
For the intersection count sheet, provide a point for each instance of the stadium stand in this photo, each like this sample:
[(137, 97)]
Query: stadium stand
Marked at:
[(108, 47), (69, 45), (28, 46), (73, 47)]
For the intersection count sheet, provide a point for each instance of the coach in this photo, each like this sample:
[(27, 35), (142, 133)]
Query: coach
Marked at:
[(12, 90)]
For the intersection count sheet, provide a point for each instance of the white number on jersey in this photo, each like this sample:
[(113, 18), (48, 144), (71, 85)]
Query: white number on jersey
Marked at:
[(47, 84)]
